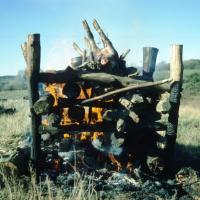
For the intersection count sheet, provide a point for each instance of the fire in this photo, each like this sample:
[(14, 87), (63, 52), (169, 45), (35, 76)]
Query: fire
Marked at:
[(115, 162), (90, 115), (82, 115), (55, 90)]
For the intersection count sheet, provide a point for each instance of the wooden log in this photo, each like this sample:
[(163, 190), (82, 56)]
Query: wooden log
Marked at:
[(135, 118), (125, 89), (31, 53), (78, 49), (176, 73), (98, 127), (163, 119), (123, 56), (121, 125), (126, 103), (44, 105), (62, 76), (163, 105), (156, 164), (53, 119), (114, 115), (71, 90), (75, 62), (137, 99), (161, 143), (76, 113), (149, 62), (90, 36), (24, 51), (108, 79), (65, 102), (76, 128)]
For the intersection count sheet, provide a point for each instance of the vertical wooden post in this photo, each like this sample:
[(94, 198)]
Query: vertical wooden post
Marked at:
[(31, 52), (149, 62), (176, 73)]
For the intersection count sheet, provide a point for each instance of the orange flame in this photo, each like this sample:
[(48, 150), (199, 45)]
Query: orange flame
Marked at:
[(92, 115)]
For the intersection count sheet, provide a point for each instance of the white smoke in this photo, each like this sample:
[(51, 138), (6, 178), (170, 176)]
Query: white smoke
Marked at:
[(58, 56)]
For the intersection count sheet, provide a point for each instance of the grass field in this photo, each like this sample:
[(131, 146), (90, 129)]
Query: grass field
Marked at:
[(15, 126)]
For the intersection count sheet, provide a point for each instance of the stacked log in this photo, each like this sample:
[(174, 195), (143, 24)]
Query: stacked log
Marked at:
[(135, 115), (127, 110)]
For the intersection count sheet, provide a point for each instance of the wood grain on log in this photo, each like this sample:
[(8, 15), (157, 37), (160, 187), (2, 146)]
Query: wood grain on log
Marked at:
[(125, 89), (149, 62), (176, 73), (31, 52), (163, 105)]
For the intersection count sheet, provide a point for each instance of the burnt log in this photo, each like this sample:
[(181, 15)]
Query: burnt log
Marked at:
[(110, 79), (121, 126), (137, 99), (76, 129), (156, 164), (126, 89), (31, 52), (126, 103), (44, 105), (149, 62), (76, 113), (53, 119), (111, 115), (98, 127), (109, 144), (71, 90), (176, 73), (62, 76), (65, 102)]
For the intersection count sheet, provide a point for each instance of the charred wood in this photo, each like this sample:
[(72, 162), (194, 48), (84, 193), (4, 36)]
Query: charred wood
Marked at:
[(75, 128), (149, 62), (65, 76), (44, 105), (126, 89), (65, 102), (71, 90)]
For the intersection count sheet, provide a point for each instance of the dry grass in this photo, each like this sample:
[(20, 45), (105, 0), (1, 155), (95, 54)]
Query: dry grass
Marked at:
[(189, 127), (29, 189), (13, 127)]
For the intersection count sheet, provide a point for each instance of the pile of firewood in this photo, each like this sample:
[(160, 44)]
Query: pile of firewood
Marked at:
[(133, 118)]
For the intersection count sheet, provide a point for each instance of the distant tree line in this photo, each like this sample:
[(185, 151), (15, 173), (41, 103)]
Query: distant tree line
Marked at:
[(188, 64), (17, 82), (191, 81)]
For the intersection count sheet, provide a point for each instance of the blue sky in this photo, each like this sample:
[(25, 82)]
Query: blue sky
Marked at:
[(128, 23)]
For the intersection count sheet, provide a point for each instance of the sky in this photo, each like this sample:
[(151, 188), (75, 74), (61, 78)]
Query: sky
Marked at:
[(130, 24)]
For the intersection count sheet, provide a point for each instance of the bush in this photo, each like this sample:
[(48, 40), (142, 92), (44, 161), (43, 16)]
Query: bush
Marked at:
[(192, 64), (191, 84)]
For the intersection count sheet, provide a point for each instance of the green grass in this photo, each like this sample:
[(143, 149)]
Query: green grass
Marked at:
[(188, 139)]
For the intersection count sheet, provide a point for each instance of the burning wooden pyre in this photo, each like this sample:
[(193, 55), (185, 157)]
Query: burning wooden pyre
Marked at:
[(99, 113)]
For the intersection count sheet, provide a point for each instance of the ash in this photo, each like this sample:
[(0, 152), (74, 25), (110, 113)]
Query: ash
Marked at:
[(79, 166)]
